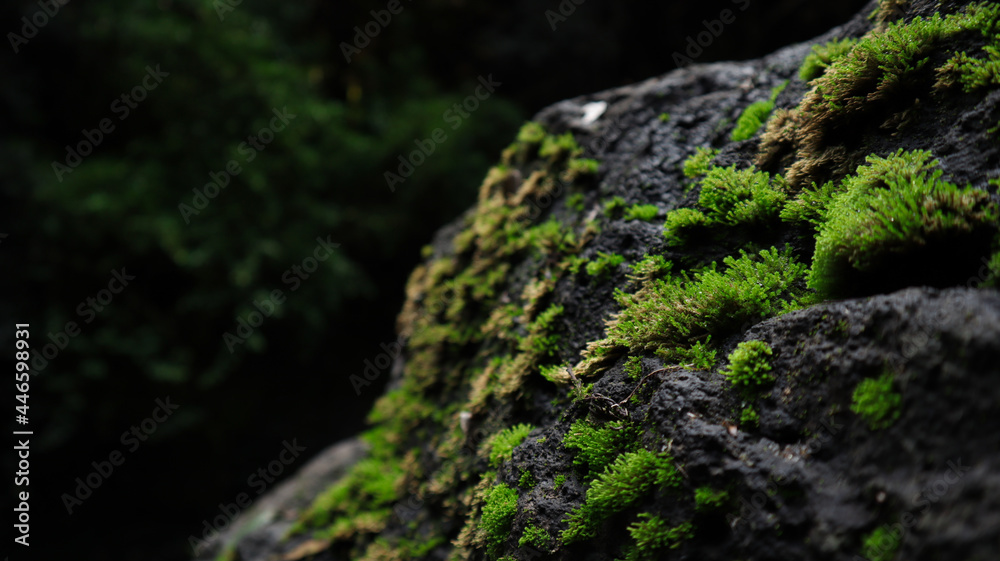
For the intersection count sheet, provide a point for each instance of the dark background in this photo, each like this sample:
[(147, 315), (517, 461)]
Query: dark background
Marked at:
[(321, 176)]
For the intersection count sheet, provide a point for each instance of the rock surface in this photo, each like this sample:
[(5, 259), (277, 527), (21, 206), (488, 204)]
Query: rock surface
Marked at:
[(808, 464)]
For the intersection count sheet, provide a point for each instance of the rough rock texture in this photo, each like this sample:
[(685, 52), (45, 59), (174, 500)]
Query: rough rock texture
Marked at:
[(869, 431)]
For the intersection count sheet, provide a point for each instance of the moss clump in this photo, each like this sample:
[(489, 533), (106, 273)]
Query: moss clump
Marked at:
[(707, 498), (498, 514), (595, 446), (729, 198), (604, 263), (652, 535), (699, 163), (614, 206), (559, 147), (559, 481), (641, 212), (875, 401), (505, 441), (699, 356), (749, 417), (675, 311), (531, 133), (749, 365), (822, 56), (535, 537), (809, 207), (575, 202), (527, 480), (633, 367), (630, 478), (664, 117), (880, 545), (754, 115), (894, 216)]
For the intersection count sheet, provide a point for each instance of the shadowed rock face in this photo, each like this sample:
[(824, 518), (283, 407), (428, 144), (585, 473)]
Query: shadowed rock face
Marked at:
[(872, 433)]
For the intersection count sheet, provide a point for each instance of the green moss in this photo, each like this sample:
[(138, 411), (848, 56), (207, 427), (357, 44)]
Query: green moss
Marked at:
[(540, 338), (577, 168), (604, 263), (614, 207), (498, 514), (707, 498), (554, 373), (677, 310), (880, 545), (749, 365), (653, 534), (894, 211), (875, 401), (630, 478), (809, 207), (535, 537), (885, 59), (699, 356), (526, 481), (575, 202), (633, 367), (596, 446), (729, 198), (699, 163), (650, 266), (641, 212), (664, 117), (754, 115), (559, 147), (531, 133), (559, 481), (749, 417), (822, 56), (505, 441)]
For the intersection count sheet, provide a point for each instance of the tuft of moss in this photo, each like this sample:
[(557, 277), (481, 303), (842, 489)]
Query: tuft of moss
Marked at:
[(753, 117), (633, 367), (541, 339), (652, 535), (595, 446), (575, 202), (604, 263), (880, 545), (614, 206), (535, 537), (559, 481), (890, 216), (822, 56), (809, 207), (875, 401), (729, 198), (676, 310), (707, 498), (531, 133), (699, 163), (527, 480), (631, 477), (641, 212), (664, 117), (749, 365), (498, 515), (505, 441), (749, 417)]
